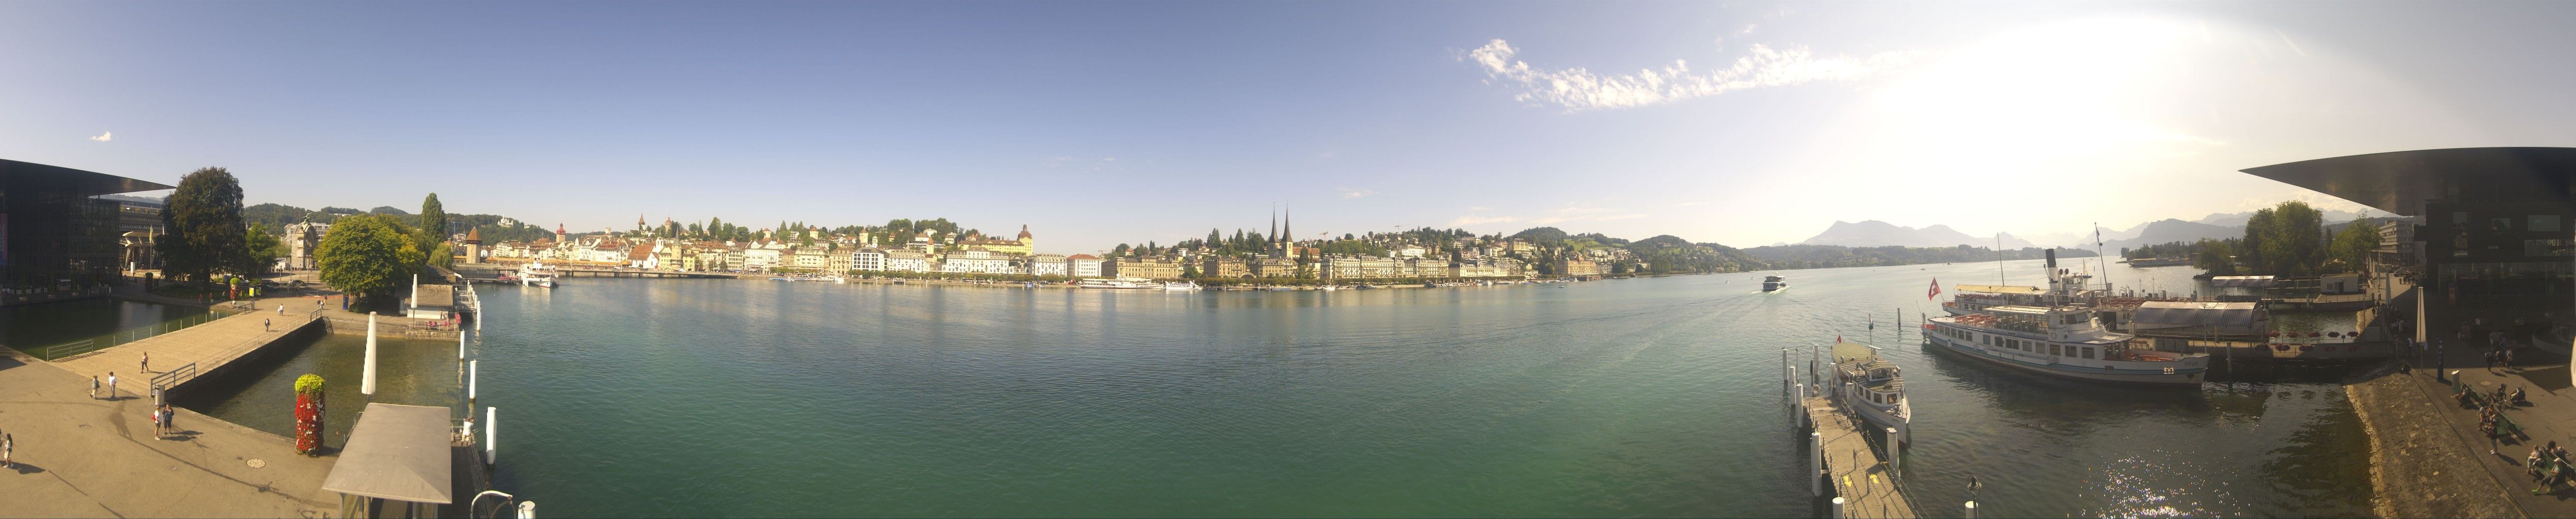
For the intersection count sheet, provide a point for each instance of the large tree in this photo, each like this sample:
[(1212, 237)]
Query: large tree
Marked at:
[(204, 222), (2285, 240), (264, 247), (433, 228), (2352, 246), (366, 256)]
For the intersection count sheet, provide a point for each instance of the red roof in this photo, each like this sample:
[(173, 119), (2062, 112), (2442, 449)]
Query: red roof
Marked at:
[(640, 252)]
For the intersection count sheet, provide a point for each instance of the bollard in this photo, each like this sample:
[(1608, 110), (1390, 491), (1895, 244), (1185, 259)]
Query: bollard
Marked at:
[(1816, 464), (1838, 508), (1788, 372), (1972, 510), (473, 372), (527, 510), (460, 345), (490, 414), (1894, 465), (367, 383)]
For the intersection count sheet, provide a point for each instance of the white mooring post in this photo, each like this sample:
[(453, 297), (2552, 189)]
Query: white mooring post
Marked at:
[(473, 372), (490, 426), (1838, 508), (1972, 510), (1788, 372), (1895, 465), (367, 382), (1816, 464)]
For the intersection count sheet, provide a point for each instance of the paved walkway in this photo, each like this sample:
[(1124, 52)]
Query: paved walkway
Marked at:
[(2551, 416), (206, 346), (1855, 470), (84, 457)]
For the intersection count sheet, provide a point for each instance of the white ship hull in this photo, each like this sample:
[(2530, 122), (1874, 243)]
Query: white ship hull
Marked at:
[(2189, 371)]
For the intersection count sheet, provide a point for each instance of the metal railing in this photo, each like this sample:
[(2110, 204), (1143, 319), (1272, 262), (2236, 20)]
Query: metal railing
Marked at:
[(74, 348), (172, 378)]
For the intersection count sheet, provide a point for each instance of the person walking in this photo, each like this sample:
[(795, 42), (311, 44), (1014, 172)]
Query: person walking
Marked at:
[(146, 366), (281, 309), (8, 443), (93, 387), (263, 324)]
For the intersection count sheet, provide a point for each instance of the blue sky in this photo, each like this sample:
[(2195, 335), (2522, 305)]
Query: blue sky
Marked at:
[(1101, 123)]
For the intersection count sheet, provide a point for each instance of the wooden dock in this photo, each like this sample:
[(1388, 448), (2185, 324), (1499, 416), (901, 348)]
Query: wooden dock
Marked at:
[(1853, 468)]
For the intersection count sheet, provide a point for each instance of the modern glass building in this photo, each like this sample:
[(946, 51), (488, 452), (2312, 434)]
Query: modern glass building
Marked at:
[(52, 232), (2493, 224)]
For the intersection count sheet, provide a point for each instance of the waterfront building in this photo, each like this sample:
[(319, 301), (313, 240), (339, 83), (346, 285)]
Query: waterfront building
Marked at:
[(1577, 268), (1046, 265), (837, 263), (1143, 268), (1224, 267), (977, 262), (906, 260), (301, 238), (868, 258), (1274, 267), (473, 245), (2490, 225), (643, 256), (1083, 266), (809, 258), (760, 258), (51, 229)]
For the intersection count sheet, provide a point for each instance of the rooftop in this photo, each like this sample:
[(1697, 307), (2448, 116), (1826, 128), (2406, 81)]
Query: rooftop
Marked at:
[(2399, 181)]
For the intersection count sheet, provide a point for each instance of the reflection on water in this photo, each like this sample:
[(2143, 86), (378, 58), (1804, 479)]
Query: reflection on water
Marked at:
[(30, 327), (409, 372), (1655, 397)]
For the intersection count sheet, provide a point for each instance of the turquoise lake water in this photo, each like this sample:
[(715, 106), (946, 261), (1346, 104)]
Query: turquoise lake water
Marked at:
[(1644, 397)]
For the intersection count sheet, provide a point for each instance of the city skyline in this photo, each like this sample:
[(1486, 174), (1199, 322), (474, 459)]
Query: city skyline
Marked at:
[(1742, 124)]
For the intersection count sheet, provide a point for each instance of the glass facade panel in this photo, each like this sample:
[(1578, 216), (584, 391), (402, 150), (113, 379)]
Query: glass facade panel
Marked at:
[(2542, 223)]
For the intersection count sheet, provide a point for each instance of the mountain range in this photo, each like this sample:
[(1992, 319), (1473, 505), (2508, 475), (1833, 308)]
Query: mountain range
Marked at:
[(1875, 233)]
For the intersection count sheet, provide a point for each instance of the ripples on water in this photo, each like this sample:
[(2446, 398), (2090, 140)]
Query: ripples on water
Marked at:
[(1655, 397)]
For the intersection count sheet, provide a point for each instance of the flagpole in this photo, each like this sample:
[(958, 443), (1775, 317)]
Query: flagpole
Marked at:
[(2099, 259)]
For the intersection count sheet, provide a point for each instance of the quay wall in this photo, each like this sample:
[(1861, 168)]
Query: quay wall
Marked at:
[(2418, 466)]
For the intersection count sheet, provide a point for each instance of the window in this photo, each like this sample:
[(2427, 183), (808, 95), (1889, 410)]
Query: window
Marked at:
[(2542, 248), (2460, 219), (2052, 349), (2088, 352), (2542, 223)]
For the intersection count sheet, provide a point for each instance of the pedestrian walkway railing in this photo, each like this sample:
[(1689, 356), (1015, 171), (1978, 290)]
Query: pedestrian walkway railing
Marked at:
[(72, 349), (168, 379)]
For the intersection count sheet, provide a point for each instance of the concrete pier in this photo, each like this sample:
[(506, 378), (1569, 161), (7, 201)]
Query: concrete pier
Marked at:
[(1854, 472), (85, 457), (187, 353)]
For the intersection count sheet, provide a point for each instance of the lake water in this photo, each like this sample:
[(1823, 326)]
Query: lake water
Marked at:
[(1645, 397)]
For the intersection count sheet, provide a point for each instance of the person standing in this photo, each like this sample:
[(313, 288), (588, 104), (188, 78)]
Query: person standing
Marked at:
[(263, 324), (111, 385), (281, 309), (93, 387), (8, 442)]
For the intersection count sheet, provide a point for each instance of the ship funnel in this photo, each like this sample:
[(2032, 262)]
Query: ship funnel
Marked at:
[(2052, 257)]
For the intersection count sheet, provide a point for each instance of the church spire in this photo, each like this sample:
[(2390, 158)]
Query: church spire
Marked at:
[(1287, 239), (1274, 221)]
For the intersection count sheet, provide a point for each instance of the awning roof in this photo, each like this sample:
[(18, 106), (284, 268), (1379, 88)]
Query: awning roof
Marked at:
[(29, 176), (2191, 313), (2400, 181), (2242, 281), (397, 452), (2000, 289)]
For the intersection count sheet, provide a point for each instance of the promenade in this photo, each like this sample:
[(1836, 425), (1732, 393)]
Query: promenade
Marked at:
[(2429, 458), (84, 457), (181, 355)]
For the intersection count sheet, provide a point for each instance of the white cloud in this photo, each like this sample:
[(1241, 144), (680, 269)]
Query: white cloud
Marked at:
[(1762, 66), (1348, 193), (104, 136)]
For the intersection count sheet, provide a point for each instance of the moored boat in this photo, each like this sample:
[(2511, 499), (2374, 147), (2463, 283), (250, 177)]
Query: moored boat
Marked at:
[(1118, 284), (2064, 341), (536, 274), (1872, 387), (1181, 286)]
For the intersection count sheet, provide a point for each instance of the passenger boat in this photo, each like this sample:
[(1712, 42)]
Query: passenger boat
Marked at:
[(2157, 262), (1774, 283), (831, 279), (2062, 341), (537, 274), (1872, 387), (1181, 286), (2064, 288), (1118, 284)]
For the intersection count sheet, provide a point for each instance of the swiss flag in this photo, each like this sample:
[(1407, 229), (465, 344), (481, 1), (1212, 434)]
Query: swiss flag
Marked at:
[(1936, 289)]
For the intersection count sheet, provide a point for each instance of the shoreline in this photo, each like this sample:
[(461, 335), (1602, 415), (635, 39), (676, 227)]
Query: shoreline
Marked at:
[(2414, 469)]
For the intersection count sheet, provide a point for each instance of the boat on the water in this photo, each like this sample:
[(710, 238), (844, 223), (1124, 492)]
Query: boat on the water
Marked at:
[(2064, 288), (536, 274), (1181, 286), (1774, 283), (2157, 262), (1872, 387), (1118, 284), (2062, 341)]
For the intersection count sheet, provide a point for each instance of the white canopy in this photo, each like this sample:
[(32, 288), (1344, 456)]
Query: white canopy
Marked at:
[(397, 452)]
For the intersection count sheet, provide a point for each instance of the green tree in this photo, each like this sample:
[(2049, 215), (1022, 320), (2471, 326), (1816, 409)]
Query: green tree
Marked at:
[(2285, 240), (2352, 246), (264, 248), (434, 231), (366, 256), (204, 222), (2216, 257)]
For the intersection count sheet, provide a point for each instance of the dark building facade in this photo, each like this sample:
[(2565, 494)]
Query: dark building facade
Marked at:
[(2493, 223), (53, 232)]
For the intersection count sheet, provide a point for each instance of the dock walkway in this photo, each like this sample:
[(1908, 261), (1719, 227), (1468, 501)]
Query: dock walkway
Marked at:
[(183, 354), (93, 457), (1853, 467)]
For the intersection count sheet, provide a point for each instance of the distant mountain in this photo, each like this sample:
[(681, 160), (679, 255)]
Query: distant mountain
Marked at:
[(1874, 233), (2173, 230), (1836, 256)]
